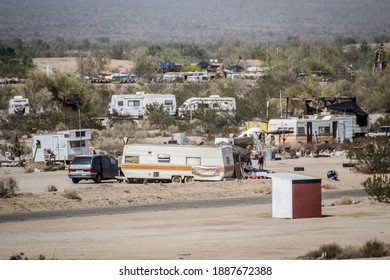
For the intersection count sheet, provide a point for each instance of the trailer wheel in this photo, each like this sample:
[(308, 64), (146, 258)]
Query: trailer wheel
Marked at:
[(188, 179), (98, 178), (176, 179)]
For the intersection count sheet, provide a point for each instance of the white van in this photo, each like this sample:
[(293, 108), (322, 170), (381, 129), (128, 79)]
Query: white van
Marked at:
[(134, 105), (176, 163)]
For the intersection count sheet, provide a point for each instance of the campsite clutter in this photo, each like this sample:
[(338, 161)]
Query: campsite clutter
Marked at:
[(244, 156)]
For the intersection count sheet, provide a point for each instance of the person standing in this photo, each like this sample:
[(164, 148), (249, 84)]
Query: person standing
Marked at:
[(260, 163)]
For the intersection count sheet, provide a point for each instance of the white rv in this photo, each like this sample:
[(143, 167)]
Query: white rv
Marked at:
[(214, 102), (61, 146), (134, 105), (19, 104), (176, 163), (323, 128)]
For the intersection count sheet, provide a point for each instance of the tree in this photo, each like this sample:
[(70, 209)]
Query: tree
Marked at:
[(144, 65), (90, 66)]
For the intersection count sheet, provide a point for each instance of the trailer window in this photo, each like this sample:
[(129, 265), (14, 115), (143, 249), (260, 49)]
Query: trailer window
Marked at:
[(77, 143), (120, 103), (133, 103), (168, 102), (78, 133), (193, 161), (131, 159), (301, 130), (163, 158), (324, 130)]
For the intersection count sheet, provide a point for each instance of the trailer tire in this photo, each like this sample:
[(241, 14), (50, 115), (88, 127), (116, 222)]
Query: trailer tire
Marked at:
[(188, 179), (176, 179), (98, 178)]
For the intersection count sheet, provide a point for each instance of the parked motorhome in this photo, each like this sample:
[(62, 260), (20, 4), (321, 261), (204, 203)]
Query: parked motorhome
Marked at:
[(324, 128), (134, 105), (61, 146), (19, 104), (176, 163), (214, 102)]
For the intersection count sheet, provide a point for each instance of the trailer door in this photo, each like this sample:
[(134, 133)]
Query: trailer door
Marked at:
[(334, 129), (309, 132)]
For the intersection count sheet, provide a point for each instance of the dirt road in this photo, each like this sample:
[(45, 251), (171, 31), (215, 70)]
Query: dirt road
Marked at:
[(238, 232)]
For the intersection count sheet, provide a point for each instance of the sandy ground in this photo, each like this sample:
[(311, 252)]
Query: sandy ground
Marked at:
[(69, 64), (240, 232)]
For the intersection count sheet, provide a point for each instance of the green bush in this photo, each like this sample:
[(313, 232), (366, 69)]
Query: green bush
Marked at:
[(378, 187), (8, 187)]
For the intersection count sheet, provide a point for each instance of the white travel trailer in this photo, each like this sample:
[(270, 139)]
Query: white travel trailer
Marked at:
[(134, 105), (214, 102), (176, 163), (19, 104), (61, 146), (323, 128)]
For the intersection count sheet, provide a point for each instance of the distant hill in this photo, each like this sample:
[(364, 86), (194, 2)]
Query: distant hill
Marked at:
[(193, 20)]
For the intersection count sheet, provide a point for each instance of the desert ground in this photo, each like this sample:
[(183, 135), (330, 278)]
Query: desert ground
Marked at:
[(69, 64), (231, 232)]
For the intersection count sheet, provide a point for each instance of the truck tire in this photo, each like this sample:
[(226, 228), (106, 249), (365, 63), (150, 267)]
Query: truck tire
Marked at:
[(98, 178), (188, 179), (176, 179)]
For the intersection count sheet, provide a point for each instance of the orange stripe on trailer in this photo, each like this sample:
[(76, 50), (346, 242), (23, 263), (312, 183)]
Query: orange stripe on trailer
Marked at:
[(157, 167), (127, 166)]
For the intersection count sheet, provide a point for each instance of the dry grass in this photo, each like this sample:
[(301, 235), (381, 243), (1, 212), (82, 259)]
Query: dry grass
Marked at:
[(371, 249), (31, 167), (72, 194)]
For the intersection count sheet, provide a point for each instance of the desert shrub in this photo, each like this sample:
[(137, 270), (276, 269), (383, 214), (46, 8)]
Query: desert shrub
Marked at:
[(330, 251), (19, 256), (22, 256), (52, 188), (158, 116), (378, 187), (346, 201), (314, 254), (372, 155), (371, 249), (350, 252), (8, 187), (375, 249), (30, 167), (72, 194)]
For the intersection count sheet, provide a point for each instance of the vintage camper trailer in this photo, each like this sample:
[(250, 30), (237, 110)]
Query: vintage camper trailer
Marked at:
[(176, 163), (324, 128), (214, 102), (19, 104), (134, 105), (61, 146)]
